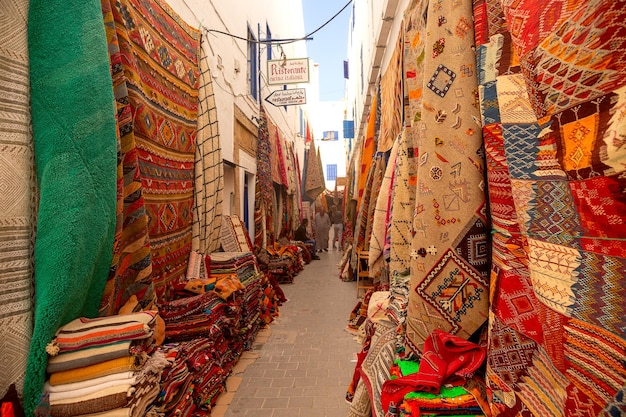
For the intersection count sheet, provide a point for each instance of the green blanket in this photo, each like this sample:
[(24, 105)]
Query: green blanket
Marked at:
[(73, 117)]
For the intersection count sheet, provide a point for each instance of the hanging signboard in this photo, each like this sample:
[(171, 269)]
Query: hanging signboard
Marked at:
[(287, 97), (287, 71)]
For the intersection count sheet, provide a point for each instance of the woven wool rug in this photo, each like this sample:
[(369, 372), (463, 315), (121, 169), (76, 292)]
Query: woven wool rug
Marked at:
[(233, 235), (74, 132), (381, 216), (18, 199), (264, 189), (449, 264), (391, 99), (314, 184), (160, 56), (209, 168), (131, 266), (552, 139)]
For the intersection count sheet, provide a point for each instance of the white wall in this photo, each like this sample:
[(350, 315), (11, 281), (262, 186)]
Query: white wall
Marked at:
[(228, 56), (370, 47)]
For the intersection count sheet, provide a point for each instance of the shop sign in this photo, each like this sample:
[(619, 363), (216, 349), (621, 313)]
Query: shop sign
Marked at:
[(287, 97), (287, 71)]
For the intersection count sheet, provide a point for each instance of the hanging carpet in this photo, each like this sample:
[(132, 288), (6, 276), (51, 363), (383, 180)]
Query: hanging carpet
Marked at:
[(552, 95), (450, 257), (314, 184), (18, 200), (160, 60), (131, 267), (73, 114), (209, 167)]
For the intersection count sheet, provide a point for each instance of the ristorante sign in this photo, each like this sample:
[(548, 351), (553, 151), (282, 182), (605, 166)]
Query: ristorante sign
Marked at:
[(288, 71)]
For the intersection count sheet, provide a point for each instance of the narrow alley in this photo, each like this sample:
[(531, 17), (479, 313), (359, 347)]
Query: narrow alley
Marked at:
[(302, 364)]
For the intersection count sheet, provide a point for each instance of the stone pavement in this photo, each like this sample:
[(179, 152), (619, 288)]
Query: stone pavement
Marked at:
[(302, 364)]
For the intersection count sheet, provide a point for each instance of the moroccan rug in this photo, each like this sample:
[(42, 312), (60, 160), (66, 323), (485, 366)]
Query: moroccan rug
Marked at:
[(75, 153), (391, 96), (405, 182), (314, 184), (209, 167), (376, 366), (264, 188), (552, 142), (160, 56), (234, 237), (131, 266), (450, 257), (18, 199), (403, 203), (380, 217)]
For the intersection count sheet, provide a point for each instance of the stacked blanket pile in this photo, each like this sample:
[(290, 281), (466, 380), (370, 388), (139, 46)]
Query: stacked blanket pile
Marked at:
[(243, 267), (208, 325), (107, 366), (285, 262), (200, 332)]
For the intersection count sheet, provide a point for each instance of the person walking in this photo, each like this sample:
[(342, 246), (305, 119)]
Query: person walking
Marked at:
[(337, 221), (322, 229)]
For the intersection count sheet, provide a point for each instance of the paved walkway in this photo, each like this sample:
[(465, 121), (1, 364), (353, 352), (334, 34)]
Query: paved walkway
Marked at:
[(302, 364)]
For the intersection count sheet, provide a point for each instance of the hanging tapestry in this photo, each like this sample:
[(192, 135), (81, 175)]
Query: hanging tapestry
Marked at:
[(18, 200), (391, 99), (367, 150), (160, 57), (264, 189), (450, 257), (405, 180), (552, 101), (280, 158), (234, 236), (209, 167), (314, 184), (131, 266), (73, 120), (380, 217)]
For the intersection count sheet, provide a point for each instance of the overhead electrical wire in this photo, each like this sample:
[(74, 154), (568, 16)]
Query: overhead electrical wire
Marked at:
[(306, 37)]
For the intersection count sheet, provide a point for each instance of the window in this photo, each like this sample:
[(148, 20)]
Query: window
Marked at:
[(269, 44), (331, 135), (252, 64), (331, 172)]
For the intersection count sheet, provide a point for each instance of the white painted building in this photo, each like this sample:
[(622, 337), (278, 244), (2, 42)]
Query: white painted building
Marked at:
[(236, 36), (375, 27)]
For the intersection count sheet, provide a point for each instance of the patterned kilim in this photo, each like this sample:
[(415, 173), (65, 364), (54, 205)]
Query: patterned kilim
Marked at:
[(160, 57), (131, 267), (264, 188), (314, 184), (234, 237), (450, 257), (18, 198), (380, 218), (391, 99), (74, 133), (376, 366), (552, 91), (209, 169)]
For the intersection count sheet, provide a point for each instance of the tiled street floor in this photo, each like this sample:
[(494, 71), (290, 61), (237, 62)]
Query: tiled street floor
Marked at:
[(302, 364)]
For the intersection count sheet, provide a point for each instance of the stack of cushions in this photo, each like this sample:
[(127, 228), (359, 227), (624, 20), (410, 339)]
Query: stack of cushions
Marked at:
[(107, 366)]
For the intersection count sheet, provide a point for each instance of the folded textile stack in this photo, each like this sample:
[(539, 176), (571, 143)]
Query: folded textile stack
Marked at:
[(191, 386), (107, 366), (244, 266), (207, 331), (285, 262)]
